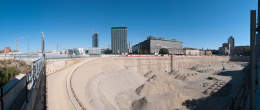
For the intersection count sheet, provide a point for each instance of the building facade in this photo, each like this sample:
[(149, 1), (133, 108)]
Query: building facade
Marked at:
[(225, 49), (153, 45), (119, 40), (7, 50), (191, 51), (242, 50), (95, 40), (228, 48), (231, 41), (130, 47), (94, 51)]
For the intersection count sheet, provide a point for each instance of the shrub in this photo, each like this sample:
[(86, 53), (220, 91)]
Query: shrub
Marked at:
[(163, 51), (10, 68), (211, 78)]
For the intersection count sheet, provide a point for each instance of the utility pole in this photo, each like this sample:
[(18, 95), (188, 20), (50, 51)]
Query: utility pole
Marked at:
[(43, 46), (44, 73), (28, 46), (171, 63), (257, 61), (16, 42)]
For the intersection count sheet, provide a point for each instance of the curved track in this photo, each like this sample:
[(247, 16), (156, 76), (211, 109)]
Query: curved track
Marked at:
[(60, 94)]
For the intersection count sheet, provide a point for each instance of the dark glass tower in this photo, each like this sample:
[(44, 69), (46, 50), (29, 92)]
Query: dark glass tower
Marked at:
[(95, 40), (119, 40)]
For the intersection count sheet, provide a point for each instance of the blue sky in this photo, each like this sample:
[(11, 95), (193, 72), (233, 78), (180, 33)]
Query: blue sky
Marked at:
[(71, 23)]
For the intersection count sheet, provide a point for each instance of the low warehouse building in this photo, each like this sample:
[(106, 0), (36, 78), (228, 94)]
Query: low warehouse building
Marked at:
[(153, 45), (191, 51)]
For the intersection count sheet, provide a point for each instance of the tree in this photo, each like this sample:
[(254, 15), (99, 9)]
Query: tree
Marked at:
[(163, 51), (215, 52)]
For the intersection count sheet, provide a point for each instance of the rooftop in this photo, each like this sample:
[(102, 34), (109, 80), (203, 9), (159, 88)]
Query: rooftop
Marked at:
[(160, 38), (119, 28)]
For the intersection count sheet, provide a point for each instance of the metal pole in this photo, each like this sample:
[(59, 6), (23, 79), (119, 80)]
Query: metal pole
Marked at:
[(252, 75), (171, 63), (43, 46), (44, 73)]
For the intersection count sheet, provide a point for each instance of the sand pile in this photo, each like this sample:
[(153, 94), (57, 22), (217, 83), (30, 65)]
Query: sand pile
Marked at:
[(158, 93), (205, 68)]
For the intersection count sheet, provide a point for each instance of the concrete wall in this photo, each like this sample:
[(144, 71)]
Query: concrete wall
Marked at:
[(240, 58), (13, 93), (163, 64)]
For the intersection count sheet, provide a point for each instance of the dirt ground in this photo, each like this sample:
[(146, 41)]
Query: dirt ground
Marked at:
[(147, 83)]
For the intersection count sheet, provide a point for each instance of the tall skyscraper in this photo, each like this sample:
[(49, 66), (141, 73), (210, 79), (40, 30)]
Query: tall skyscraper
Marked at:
[(95, 40), (130, 47), (231, 41), (119, 40)]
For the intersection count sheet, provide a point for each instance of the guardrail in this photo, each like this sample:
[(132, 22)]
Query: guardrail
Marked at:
[(63, 56), (26, 90), (20, 55)]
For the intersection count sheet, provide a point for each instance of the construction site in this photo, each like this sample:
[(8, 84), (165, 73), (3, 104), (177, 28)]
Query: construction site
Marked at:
[(154, 74), (144, 83)]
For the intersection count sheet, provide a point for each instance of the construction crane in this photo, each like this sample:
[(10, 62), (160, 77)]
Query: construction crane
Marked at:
[(16, 41)]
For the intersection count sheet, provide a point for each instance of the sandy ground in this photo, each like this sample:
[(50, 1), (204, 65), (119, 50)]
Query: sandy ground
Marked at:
[(124, 83), (56, 65)]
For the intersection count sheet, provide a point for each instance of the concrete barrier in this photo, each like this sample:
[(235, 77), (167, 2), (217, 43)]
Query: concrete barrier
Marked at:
[(11, 93)]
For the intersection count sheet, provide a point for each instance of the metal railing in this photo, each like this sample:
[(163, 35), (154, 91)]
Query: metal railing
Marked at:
[(22, 92), (20, 55)]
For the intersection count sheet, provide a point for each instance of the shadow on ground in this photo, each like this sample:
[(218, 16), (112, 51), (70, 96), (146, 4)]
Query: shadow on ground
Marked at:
[(220, 100)]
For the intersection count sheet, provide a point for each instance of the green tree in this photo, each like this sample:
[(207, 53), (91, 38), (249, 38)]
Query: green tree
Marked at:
[(163, 51)]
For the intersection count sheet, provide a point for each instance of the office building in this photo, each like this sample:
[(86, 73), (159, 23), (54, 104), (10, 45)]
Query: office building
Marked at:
[(228, 48), (95, 40), (225, 49), (231, 41), (130, 47), (153, 45), (119, 40)]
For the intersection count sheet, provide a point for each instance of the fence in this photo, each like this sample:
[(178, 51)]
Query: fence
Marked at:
[(19, 55), (63, 56), (26, 91)]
